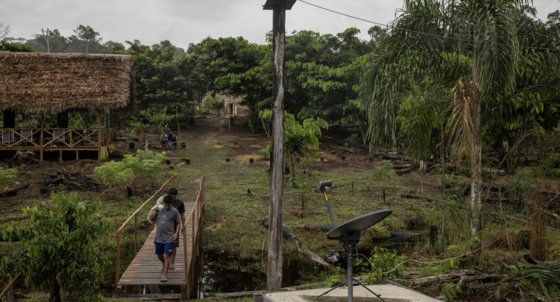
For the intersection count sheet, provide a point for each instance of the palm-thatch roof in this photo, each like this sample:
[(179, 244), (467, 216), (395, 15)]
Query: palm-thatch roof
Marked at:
[(44, 82)]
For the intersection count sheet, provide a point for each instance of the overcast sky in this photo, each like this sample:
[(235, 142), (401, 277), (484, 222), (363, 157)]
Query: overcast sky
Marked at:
[(189, 21)]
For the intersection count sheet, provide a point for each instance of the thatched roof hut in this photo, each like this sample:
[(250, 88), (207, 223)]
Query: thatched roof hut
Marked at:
[(45, 82)]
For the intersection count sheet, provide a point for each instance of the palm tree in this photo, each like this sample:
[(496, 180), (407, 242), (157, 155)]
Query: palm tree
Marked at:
[(469, 46)]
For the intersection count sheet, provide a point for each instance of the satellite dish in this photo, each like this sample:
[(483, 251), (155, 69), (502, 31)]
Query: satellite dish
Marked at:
[(359, 223), (348, 234)]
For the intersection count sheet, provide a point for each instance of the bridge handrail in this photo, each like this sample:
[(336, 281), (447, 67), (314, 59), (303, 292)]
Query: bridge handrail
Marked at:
[(195, 220), (8, 286), (199, 199), (119, 230)]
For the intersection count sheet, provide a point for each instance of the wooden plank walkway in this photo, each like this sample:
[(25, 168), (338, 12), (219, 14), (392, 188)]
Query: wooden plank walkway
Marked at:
[(145, 268)]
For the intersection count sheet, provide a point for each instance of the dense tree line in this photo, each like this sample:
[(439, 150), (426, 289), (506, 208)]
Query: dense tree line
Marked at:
[(322, 71), (325, 73)]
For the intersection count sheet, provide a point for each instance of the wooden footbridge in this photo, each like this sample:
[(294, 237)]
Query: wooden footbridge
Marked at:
[(142, 276)]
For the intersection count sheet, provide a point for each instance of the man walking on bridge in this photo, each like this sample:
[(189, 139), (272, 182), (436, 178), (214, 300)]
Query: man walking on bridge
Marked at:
[(180, 206), (168, 228)]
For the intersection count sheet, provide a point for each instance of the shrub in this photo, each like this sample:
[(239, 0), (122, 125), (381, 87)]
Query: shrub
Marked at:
[(551, 165), (212, 103), (61, 248), (143, 164), (7, 175), (386, 264), (384, 170)]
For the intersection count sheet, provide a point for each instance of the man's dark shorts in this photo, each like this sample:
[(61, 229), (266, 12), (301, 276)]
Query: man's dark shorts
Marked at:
[(166, 248)]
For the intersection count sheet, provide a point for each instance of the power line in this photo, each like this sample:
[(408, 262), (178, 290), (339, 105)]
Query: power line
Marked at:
[(343, 14), (407, 30)]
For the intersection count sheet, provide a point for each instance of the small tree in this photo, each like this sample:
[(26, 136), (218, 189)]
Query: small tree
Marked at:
[(299, 139), (61, 248), (142, 164), (212, 103), (7, 175)]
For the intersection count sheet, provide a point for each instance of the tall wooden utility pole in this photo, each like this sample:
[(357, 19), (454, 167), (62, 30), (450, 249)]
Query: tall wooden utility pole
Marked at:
[(274, 264)]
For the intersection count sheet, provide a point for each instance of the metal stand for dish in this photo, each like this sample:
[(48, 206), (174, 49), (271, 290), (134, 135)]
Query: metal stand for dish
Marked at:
[(348, 233), (349, 241)]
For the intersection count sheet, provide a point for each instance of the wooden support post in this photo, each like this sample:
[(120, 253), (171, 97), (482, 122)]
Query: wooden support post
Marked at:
[(118, 261), (184, 296), (185, 289), (99, 145), (136, 233), (274, 264), (41, 145)]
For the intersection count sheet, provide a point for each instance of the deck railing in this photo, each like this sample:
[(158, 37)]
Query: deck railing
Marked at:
[(51, 138)]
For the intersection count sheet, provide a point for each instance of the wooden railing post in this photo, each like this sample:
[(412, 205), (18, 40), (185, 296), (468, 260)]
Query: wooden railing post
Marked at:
[(136, 233), (118, 260), (185, 258), (192, 224), (41, 144)]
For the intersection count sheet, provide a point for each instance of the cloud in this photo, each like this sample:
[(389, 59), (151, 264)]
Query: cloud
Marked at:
[(189, 21)]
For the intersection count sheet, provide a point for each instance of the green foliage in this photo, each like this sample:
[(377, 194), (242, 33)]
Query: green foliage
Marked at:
[(142, 164), (420, 118), (299, 139), (15, 47), (455, 259), (450, 291), (61, 246), (386, 264), (158, 116), (138, 128), (302, 139), (113, 173), (265, 153), (551, 165), (543, 277), (212, 103), (547, 272), (7, 175), (321, 72), (148, 119), (523, 183), (483, 64), (512, 57), (384, 170)]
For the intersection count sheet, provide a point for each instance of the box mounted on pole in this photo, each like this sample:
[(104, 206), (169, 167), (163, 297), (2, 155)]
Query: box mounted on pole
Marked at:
[(285, 4)]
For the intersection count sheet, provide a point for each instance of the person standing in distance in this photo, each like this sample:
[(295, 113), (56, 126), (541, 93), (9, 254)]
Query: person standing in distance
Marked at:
[(168, 227)]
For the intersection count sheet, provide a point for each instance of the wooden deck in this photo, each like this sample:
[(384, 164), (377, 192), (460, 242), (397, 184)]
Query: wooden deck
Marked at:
[(145, 268)]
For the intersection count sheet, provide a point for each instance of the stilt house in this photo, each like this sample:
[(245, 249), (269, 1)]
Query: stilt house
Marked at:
[(59, 84)]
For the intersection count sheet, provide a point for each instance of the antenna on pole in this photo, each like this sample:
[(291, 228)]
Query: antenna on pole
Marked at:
[(323, 187)]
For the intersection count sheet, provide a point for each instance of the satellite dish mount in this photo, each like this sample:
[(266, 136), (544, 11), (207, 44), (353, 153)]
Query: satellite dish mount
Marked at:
[(348, 234), (323, 187)]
